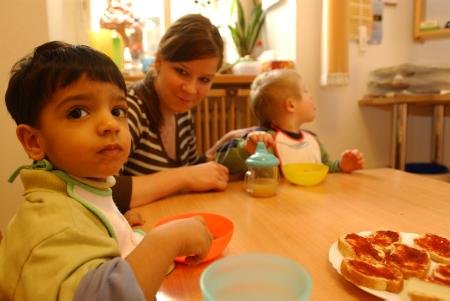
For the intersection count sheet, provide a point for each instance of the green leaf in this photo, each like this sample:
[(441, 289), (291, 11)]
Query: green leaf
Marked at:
[(245, 34), (253, 35)]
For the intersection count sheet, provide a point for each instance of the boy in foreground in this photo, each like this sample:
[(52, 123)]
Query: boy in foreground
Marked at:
[(68, 241)]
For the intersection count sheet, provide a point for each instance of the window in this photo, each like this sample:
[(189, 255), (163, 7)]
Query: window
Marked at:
[(141, 23)]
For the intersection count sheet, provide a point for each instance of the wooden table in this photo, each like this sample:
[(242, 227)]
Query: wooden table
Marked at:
[(303, 222), (399, 103)]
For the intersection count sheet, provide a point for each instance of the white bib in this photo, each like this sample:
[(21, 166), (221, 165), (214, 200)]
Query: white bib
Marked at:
[(127, 239), (305, 149)]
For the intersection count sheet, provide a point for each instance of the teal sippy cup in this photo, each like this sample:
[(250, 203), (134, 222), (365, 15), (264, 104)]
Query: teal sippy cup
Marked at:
[(261, 178)]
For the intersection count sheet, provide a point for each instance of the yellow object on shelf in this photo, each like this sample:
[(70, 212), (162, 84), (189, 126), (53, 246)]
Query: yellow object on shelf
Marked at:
[(108, 42), (429, 25)]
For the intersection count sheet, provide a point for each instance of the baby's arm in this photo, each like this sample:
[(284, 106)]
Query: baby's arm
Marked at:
[(234, 134), (151, 259), (351, 160), (234, 153)]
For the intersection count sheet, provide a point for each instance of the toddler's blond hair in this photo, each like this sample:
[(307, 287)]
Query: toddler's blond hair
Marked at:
[(269, 89)]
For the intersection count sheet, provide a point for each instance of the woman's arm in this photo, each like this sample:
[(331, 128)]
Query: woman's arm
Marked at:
[(201, 177)]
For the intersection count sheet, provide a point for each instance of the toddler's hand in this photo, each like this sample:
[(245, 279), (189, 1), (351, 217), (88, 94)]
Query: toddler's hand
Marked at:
[(254, 137), (351, 160)]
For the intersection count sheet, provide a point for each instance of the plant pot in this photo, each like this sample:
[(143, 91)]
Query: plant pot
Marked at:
[(246, 66)]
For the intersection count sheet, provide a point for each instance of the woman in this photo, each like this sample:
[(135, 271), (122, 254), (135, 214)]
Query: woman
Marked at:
[(164, 156)]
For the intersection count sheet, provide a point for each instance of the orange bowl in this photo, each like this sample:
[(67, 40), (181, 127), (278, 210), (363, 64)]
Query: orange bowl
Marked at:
[(220, 227)]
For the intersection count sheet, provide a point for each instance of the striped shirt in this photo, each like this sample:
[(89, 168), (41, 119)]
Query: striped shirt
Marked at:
[(147, 152)]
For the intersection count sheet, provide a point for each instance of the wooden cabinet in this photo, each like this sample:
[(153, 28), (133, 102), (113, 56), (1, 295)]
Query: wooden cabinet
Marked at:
[(230, 82), (419, 16)]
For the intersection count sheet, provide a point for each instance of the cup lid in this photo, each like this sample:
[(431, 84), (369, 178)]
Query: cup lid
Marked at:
[(262, 158)]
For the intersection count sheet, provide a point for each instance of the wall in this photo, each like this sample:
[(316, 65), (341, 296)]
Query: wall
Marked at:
[(341, 123), (24, 24), (282, 41)]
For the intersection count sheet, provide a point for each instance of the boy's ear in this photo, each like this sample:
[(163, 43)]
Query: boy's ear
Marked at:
[(29, 137), (289, 104)]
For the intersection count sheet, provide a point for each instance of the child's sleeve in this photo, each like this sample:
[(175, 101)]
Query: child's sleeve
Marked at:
[(113, 280), (233, 155), (332, 165)]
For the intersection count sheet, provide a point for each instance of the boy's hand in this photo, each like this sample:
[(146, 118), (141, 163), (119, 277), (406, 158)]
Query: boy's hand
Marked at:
[(351, 160), (192, 236), (254, 137), (134, 218), (205, 176), (203, 248)]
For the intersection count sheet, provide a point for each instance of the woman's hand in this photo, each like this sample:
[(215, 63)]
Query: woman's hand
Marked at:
[(206, 176), (351, 160), (254, 137)]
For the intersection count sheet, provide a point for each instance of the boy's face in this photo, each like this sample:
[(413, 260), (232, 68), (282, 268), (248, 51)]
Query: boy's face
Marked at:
[(306, 109), (83, 130)]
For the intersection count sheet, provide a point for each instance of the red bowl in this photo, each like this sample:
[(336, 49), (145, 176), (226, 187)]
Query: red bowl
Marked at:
[(220, 227)]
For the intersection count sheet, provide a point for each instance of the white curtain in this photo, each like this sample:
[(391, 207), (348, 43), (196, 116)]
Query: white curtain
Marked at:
[(334, 47)]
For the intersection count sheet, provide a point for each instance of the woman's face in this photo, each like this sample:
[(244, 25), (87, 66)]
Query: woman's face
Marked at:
[(181, 85)]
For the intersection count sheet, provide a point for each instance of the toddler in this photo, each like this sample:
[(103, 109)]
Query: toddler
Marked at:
[(282, 105)]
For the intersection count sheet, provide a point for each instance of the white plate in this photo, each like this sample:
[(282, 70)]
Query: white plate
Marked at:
[(335, 257)]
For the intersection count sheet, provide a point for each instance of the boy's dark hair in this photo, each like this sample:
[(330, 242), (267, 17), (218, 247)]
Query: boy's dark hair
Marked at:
[(54, 65)]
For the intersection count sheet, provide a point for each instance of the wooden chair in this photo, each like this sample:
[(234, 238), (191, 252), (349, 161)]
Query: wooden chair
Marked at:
[(220, 113)]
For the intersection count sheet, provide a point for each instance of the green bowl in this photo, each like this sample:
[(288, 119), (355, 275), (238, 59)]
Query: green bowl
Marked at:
[(305, 174), (255, 276)]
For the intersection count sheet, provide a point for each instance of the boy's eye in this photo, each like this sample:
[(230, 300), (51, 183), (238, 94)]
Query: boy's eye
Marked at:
[(77, 113), (119, 112)]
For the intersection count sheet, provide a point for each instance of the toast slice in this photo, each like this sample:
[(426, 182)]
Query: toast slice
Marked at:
[(437, 246), (385, 239), (412, 262), (375, 275), (357, 246), (441, 275), (420, 290)]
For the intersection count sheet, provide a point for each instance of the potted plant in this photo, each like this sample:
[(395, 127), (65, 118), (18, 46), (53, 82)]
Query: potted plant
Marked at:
[(245, 33)]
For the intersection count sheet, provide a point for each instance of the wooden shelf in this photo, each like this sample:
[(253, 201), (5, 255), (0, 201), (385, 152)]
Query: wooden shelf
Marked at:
[(419, 16), (419, 99), (440, 33), (219, 79)]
